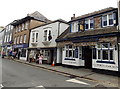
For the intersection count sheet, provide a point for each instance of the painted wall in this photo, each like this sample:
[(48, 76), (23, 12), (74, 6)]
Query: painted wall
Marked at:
[(107, 66), (54, 33)]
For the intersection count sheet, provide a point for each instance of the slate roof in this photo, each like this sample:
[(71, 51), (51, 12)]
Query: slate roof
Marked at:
[(36, 15), (94, 13)]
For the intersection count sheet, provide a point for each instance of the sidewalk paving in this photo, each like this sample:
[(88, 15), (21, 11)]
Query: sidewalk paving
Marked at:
[(102, 79)]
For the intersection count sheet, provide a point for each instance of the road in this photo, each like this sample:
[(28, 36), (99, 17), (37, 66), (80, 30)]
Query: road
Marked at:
[(20, 75)]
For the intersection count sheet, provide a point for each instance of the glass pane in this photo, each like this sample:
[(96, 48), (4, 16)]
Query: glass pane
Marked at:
[(94, 53), (99, 54), (111, 54), (70, 53), (66, 53), (105, 45), (70, 46), (99, 46), (110, 21), (105, 54)]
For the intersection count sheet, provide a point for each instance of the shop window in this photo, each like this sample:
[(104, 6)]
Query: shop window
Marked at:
[(105, 54), (94, 53)]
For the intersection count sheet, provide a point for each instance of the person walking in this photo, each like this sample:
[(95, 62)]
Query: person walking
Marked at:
[(40, 58)]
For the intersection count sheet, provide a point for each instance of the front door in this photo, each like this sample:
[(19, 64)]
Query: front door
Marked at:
[(87, 56)]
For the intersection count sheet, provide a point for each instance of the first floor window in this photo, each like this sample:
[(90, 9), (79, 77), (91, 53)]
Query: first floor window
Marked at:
[(24, 38)]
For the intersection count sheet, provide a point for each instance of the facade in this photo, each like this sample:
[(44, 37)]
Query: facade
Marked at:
[(22, 31), (92, 41), (42, 40), (7, 39), (1, 38)]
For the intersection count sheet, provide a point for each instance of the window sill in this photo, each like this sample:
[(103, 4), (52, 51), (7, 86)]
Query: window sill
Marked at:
[(108, 62), (46, 42), (34, 43)]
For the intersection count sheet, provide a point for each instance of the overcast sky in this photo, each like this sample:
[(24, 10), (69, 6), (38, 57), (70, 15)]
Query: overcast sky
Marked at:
[(52, 9)]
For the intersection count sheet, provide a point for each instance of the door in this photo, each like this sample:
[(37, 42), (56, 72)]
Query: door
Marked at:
[(87, 56)]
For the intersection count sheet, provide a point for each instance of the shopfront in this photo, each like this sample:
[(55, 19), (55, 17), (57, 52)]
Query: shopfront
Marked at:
[(21, 51)]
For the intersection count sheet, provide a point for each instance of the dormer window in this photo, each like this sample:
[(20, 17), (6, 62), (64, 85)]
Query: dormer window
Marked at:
[(74, 27), (89, 24), (107, 20)]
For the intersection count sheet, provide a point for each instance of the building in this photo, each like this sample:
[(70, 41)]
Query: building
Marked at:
[(7, 39), (42, 39), (92, 41), (1, 38), (22, 31)]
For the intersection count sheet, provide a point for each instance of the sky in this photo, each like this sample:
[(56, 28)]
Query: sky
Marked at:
[(11, 10)]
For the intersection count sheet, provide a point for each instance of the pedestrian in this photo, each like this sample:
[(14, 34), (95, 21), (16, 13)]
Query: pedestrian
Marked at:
[(37, 58), (40, 58)]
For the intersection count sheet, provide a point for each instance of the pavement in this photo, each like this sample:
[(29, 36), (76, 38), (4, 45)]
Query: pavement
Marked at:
[(82, 73)]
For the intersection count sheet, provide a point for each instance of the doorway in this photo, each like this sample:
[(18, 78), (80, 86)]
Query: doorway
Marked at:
[(87, 56)]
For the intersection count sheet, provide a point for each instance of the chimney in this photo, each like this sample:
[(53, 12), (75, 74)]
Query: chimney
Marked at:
[(73, 17)]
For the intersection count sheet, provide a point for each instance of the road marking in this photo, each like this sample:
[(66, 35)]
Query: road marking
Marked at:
[(39, 86), (1, 86), (77, 81)]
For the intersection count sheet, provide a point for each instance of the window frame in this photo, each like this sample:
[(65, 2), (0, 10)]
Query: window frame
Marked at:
[(108, 18), (102, 49)]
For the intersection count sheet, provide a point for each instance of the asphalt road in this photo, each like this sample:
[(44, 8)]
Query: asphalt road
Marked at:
[(20, 75)]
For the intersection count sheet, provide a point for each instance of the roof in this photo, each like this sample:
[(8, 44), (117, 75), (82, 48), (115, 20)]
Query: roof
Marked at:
[(58, 20), (99, 31), (95, 13), (36, 15)]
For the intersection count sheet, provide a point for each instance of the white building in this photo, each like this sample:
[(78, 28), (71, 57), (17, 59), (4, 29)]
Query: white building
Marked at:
[(42, 39)]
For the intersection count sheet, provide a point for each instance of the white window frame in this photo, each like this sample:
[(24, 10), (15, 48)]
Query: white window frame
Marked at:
[(75, 26), (47, 34), (108, 19), (89, 23), (67, 49), (101, 49)]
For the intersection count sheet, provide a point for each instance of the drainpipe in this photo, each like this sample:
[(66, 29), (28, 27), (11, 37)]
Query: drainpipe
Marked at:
[(58, 29)]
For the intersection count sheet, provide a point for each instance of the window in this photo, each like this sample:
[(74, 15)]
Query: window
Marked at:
[(105, 51), (74, 27), (5, 39), (18, 40), (23, 26), (21, 39), (10, 38), (26, 25), (107, 20), (36, 37), (71, 51), (89, 24), (24, 38), (15, 40), (45, 35)]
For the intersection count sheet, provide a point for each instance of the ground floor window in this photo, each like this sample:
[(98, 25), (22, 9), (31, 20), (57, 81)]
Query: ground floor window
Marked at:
[(71, 51), (23, 52), (105, 51)]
